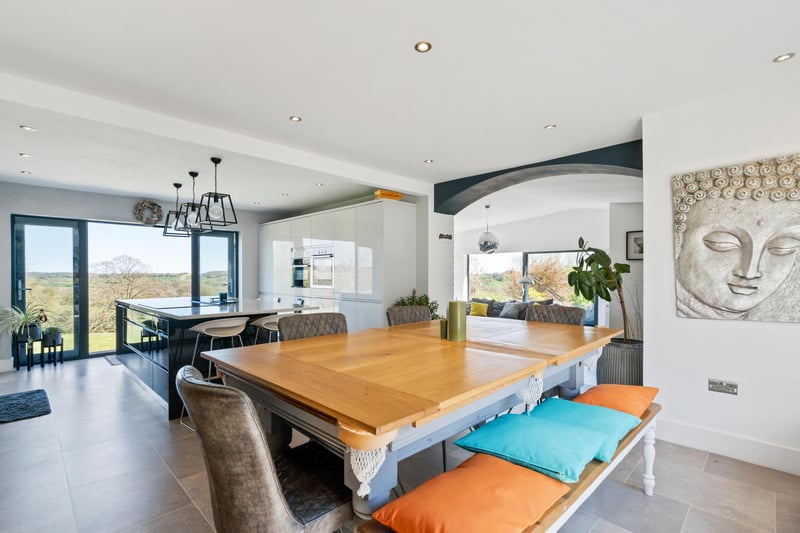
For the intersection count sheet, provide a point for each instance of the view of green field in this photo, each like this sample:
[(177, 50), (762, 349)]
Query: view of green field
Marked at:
[(121, 278)]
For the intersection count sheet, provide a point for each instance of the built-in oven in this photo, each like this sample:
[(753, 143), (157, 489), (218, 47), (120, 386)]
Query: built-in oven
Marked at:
[(322, 269), (301, 272)]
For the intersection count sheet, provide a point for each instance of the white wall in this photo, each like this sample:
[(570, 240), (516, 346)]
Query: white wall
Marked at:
[(552, 233), (622, 219), (42, 201), (762, 424)]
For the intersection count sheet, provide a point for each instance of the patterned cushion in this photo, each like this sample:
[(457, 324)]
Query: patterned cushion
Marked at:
[(300, 326), (311, 479), (513, 310)]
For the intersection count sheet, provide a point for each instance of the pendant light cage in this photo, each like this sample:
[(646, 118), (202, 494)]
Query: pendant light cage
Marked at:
[(192, 215), (171, 222), (488, 243), (218, 206)]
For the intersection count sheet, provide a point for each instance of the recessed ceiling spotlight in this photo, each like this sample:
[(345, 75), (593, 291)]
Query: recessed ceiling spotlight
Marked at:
[(25, 172), (428, 161), (550, 126), (783, 57), (295, 118), (256, 203), (23, 154), (318, 184), (23, 127), (284, 194), (423, 47)]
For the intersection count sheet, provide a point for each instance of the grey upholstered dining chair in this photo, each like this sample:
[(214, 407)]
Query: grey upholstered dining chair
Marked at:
[(298, 490), (559, 314), (406, 314), (300, 326)]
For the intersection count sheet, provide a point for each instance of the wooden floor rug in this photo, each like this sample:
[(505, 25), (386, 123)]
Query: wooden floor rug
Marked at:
[(21, 405)]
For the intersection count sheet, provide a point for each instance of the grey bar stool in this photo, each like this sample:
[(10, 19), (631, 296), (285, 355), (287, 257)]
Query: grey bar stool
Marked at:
[(215, 329)]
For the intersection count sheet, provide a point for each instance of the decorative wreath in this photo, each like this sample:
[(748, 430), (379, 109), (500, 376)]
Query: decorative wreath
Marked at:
[(148, 212)]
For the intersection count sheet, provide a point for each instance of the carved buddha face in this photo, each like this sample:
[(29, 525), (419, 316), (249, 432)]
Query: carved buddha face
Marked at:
[(736, 253)]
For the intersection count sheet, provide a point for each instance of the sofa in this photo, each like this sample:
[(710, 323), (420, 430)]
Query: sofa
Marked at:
[(512, 309)]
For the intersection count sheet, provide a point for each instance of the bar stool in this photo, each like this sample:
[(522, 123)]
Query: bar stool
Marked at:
[(269, 323), (215, 329)]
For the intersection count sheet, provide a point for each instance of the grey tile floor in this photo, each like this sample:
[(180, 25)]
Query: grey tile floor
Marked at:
[(107, 459)]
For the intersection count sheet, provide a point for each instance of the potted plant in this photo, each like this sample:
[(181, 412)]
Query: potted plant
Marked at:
[(24, 323), (597, 275), (421, 299), (52, 336)]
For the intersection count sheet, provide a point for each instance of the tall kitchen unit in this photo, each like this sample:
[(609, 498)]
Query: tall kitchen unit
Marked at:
[(357, 260)]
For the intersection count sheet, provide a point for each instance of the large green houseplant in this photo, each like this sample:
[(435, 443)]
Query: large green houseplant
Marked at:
[(597, 275)]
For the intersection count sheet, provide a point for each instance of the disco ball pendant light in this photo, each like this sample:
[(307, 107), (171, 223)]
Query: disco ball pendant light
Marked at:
[(170, 224), (487, 241), (219, 206)]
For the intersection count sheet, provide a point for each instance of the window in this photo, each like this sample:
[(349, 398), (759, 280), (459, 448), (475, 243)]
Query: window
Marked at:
[(77, 269), (495, 276)]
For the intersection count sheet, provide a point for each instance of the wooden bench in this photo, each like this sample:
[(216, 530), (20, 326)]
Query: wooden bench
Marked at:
[(591, 478)]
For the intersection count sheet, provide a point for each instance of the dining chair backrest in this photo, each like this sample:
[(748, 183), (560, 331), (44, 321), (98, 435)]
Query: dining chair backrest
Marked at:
[(300, 326), (559, 314), (406, 314), (246, 494)]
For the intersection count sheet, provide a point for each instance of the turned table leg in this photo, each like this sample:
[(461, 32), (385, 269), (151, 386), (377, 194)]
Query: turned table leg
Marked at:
[(649, 453)]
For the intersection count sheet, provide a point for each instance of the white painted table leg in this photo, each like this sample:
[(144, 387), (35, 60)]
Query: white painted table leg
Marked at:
[(649, 453)]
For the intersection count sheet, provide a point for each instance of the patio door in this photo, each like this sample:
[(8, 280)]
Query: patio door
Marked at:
[(46, 271)]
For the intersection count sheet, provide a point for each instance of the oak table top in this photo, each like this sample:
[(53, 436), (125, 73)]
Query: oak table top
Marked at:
[(378, 380)]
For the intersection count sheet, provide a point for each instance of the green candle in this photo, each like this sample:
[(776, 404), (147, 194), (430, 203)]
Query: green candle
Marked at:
[(457, 321)]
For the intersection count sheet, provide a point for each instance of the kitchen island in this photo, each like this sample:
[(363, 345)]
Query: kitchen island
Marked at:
[(152, 340)]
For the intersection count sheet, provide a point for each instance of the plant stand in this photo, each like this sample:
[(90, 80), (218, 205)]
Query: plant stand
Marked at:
[(55, 350), (621, 363)]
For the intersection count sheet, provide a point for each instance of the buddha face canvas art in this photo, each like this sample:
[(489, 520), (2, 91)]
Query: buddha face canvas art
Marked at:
[(736, 241)]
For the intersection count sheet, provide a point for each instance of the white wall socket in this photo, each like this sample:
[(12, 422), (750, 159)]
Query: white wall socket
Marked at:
[(719, 385)]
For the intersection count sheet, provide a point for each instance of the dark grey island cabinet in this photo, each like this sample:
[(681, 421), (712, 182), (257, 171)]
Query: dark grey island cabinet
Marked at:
[(153, 338)]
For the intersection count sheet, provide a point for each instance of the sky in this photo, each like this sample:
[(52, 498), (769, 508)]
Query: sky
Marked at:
[(49, 248)]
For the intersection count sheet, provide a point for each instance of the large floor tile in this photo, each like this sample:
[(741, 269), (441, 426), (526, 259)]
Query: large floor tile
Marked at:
[(106, 460), (699, 521), (196, 486), (788, 514), (36, 505), (183, 456), (184, 520), (580, 522), (739, 502), (601, 526), (127, 499), (760, 476), (630, 508)]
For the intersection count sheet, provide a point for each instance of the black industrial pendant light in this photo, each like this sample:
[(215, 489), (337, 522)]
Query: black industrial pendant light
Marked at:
[(192, 216), (171, 223), (218, 206)]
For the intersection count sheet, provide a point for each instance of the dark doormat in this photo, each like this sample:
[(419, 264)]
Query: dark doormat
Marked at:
[(20, 405), (112, 360)]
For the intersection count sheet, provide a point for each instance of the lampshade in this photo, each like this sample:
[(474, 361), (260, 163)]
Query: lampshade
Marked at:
[(526, 281), (171, 222), (192, 215), (218, 206), (487, 241)]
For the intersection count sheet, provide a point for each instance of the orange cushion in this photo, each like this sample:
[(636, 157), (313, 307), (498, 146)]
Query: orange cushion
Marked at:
[(478, 309), (483, 494), (626, 398)]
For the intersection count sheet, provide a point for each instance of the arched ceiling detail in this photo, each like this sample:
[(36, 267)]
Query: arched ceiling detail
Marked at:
[(625, 159)]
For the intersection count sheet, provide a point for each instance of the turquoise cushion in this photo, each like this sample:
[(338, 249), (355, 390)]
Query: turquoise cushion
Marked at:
[(613, 424), (552, 448)]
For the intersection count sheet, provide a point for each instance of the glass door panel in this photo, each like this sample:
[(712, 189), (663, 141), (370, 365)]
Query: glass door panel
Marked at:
[(217, 264), (46, 273)]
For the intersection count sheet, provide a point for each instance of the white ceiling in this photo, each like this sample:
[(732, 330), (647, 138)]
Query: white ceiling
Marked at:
[(131, 95)]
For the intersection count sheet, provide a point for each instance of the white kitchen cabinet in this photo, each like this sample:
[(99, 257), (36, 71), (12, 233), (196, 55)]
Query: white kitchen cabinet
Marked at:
[(374, 257), (344, 254), (275, 264)]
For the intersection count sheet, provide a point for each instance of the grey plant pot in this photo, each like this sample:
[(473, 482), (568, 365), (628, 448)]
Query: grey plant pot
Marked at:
[(621, 363)]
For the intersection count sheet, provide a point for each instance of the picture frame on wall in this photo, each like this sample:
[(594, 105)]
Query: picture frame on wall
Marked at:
[(634, 248)]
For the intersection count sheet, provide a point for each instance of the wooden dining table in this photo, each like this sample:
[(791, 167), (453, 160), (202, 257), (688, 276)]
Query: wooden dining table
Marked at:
[(401, 389)]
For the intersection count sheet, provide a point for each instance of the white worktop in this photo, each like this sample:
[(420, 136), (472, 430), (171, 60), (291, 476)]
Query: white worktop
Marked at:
[(184, 308)]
